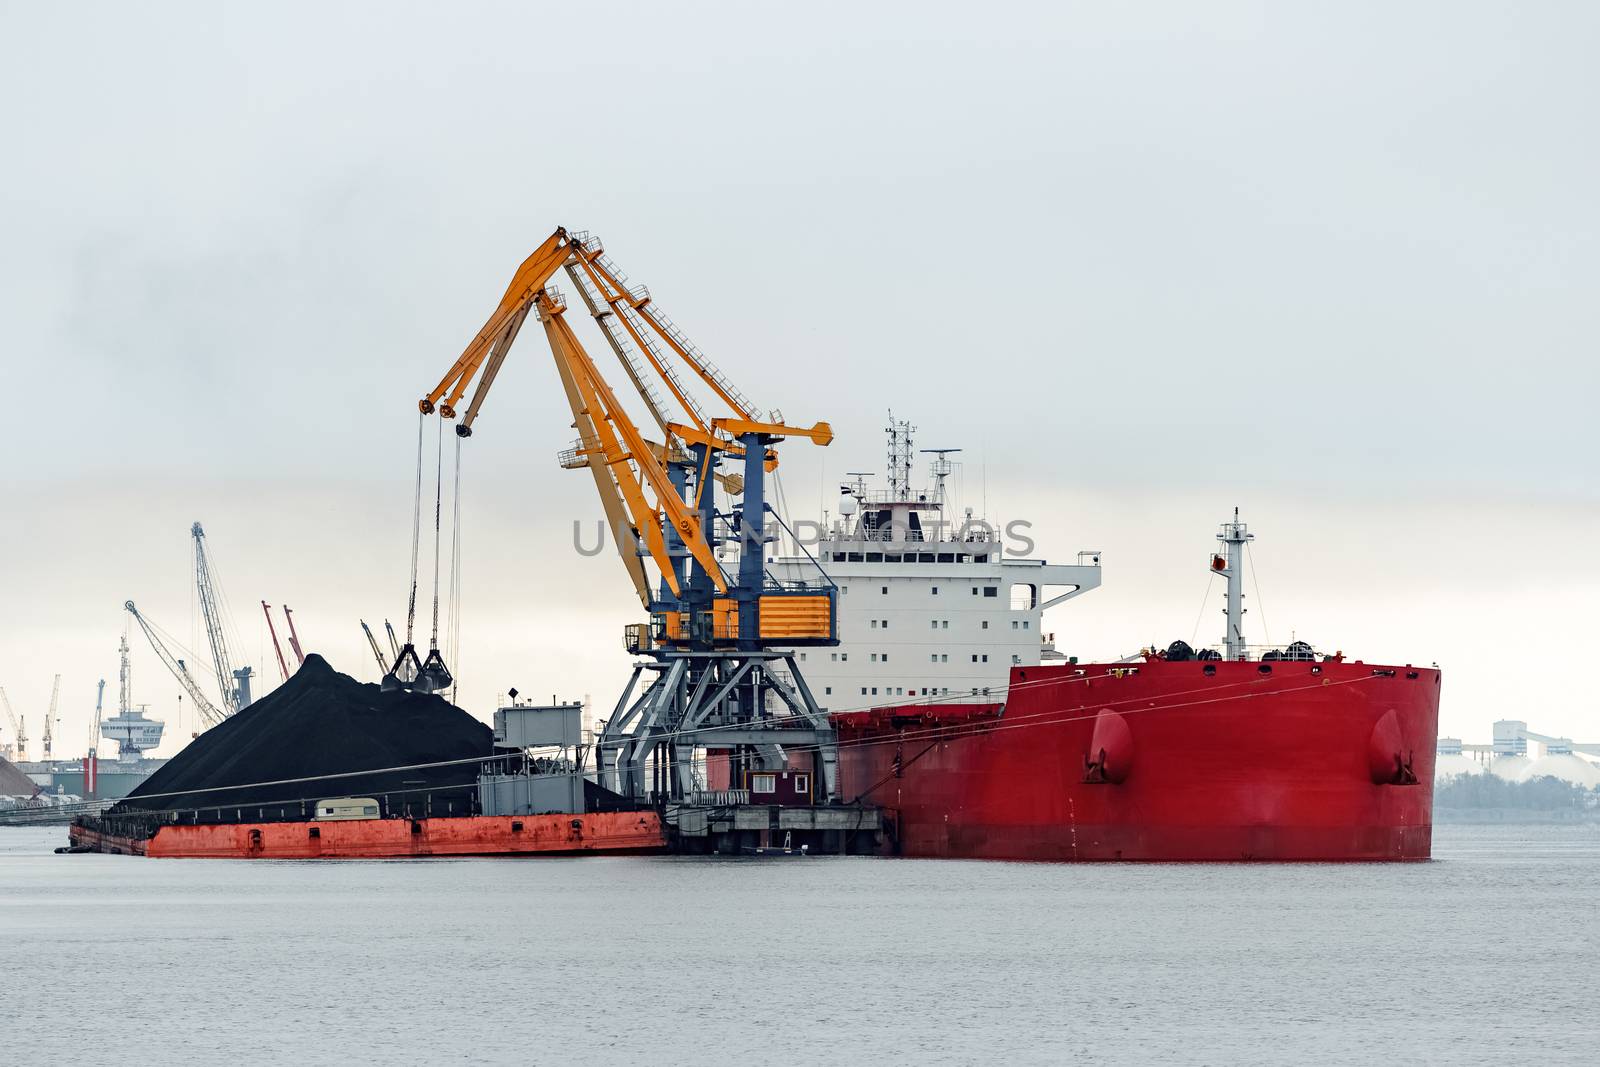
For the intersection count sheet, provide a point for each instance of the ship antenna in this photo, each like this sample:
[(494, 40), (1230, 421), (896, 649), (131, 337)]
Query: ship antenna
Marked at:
[(940, 468), (900, 448)]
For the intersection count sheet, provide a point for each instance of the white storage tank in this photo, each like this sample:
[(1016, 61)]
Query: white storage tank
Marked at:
[(1451, 762), (1559, 761)]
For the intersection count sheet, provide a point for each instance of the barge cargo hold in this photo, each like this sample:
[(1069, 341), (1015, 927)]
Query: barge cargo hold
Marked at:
[(595, 833)]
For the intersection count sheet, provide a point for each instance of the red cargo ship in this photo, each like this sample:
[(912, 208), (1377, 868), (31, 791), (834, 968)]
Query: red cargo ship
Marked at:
[(1178, 755)]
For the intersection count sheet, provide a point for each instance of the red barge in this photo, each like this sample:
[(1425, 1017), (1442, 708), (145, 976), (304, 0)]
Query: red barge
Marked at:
[(594, 833)]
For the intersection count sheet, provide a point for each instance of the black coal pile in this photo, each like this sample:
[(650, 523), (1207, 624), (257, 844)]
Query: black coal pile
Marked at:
[(317, 724)]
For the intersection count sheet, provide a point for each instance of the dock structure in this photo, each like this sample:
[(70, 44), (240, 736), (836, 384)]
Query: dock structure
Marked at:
[(724, 821)]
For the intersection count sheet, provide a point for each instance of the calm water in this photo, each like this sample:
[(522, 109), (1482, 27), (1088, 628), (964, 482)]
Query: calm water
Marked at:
[(1491, 952)]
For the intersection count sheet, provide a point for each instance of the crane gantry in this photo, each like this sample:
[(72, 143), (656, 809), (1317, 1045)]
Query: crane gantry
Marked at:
[(714, 637)]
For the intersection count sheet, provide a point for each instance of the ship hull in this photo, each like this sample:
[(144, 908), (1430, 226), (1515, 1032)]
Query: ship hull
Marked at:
[(1160, 761), (481, 835)]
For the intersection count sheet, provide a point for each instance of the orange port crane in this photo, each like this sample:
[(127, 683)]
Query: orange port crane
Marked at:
[(642, 483), (714, 638)]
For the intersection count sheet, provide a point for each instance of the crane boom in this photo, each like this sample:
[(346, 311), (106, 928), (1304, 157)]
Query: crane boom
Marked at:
[(233, 684), (283, 667), (294, 638), (99, 705), (373, 641), (210, 714)]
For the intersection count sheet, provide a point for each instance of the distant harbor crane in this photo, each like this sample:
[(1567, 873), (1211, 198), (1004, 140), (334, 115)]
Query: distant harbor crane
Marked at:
[(55, 694), (19, 727), (283, 668), (377, 654), (234, 684), (99, 705), (294, 638)]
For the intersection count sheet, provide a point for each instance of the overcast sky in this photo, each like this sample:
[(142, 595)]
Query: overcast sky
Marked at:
[(1335, 264)]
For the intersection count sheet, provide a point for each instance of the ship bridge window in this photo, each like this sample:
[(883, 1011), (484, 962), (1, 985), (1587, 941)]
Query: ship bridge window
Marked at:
[(990, 590), (947, 557), (874, 557), (887, 558), (924, 557), (856, 557), (838, 557), (982, 558)]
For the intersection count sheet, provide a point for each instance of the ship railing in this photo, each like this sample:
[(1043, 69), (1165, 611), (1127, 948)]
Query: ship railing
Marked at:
[(1288, 652), (719, 798), (602, 308), (889, 496), (660, 360)]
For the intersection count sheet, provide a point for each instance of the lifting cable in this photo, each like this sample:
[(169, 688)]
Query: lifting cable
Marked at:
[(416, 529), (438, 503), (453, 631)]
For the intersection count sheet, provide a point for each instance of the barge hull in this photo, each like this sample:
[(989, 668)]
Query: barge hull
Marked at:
[(480, 835)]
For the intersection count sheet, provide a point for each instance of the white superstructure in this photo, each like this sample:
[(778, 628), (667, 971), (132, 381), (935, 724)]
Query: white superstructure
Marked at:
[(928, 606)]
